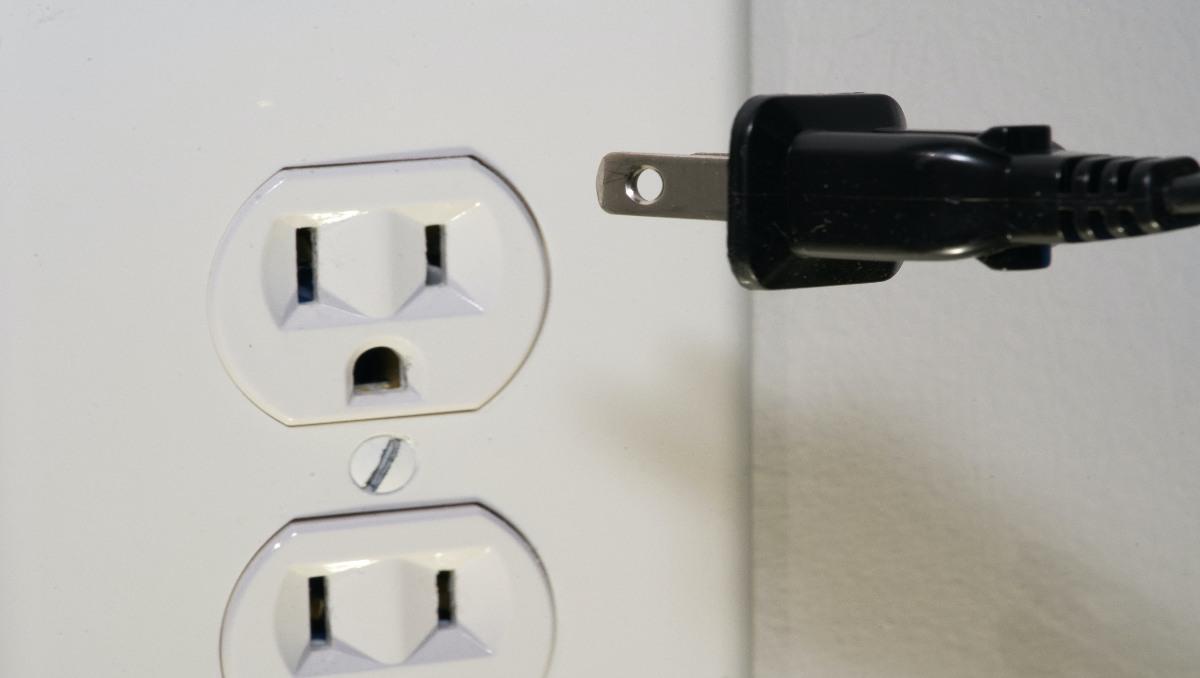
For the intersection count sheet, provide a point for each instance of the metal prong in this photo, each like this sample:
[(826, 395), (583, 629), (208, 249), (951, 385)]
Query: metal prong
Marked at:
[(693, 186)]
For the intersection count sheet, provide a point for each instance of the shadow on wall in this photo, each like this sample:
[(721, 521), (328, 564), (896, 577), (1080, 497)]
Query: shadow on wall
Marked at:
[(872, 560)]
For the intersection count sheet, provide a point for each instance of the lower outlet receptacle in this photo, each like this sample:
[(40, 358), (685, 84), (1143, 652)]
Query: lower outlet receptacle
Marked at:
[(447, 591)]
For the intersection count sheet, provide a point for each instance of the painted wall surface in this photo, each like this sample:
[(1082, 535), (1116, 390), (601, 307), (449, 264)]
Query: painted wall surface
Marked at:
[(964, 472)]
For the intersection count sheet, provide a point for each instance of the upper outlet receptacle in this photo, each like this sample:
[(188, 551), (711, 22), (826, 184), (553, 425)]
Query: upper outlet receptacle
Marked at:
[(378, 289)]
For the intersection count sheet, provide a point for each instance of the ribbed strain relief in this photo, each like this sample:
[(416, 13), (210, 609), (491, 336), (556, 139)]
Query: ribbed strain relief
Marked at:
[(1103, 196)]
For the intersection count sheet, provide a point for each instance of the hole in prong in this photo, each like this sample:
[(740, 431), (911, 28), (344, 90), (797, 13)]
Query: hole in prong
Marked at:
[(306, 265), (645, 185), (378, 369), (318, 612), (445, 598), (435, 255)]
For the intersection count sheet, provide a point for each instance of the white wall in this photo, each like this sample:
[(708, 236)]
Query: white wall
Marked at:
[(964, 472)]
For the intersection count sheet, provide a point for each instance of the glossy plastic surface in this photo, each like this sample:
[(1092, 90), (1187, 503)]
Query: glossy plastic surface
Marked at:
[(760, 252), (832, 190)]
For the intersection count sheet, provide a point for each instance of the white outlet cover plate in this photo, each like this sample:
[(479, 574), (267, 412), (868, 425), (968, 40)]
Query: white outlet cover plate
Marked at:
[(296, 361), (137, 481)]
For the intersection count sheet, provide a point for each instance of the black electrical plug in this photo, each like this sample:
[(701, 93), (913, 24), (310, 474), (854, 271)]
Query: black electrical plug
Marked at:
[(833, 190)]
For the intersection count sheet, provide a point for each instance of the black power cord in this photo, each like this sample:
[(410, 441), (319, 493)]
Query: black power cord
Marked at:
[(833, 190)]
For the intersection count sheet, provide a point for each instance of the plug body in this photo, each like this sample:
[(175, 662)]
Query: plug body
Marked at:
[(834, 190), (851, 193)]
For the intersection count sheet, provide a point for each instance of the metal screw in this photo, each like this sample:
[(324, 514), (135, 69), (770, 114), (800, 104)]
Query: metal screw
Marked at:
[(383, 464)]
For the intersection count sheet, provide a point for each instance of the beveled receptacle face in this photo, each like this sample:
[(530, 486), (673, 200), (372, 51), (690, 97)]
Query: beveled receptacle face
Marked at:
[(364, 291), (395, 594)]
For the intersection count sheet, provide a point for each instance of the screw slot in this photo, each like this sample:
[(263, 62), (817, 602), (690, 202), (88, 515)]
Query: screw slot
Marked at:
[(383, 464)]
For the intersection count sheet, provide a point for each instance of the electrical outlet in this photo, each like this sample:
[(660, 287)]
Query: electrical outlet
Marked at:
[(362, 291), (397, 594), (143, 267)]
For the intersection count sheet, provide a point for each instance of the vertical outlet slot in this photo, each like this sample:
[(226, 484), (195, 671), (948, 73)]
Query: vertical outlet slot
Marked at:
[(378, 369), (445, 598), (318, 612), (435, 255), (306, 265)]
